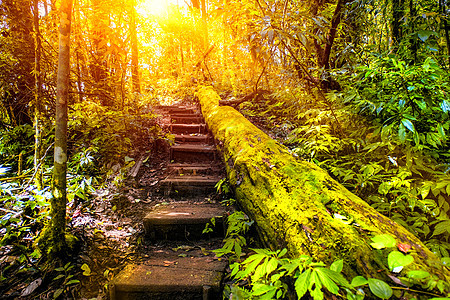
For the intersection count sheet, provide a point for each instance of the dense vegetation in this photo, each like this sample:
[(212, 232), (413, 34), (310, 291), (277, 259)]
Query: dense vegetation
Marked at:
[(360, 88)]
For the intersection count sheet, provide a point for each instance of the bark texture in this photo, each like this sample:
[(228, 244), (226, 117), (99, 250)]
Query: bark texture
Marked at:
[(134, 51), (297, 205), (58, 202), (38, 109)]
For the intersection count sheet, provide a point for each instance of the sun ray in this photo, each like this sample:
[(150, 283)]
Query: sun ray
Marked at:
[(148, 8)]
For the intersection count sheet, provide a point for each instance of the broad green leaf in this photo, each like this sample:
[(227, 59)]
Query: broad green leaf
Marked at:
[(302, 283), (358, 281), (282, 253), (336, 277), (380, 288), (326, 281), (317, 294), (259, 289), (383, 241), (337, 265), (269, 295), (259, 272), (418, 274), (425, 34), (271, 265), (398, 260), (408, 124), (442, 227)]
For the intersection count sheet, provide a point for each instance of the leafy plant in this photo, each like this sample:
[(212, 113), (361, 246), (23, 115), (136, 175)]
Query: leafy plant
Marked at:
[(271, 275), (66, 275), (238, 224)]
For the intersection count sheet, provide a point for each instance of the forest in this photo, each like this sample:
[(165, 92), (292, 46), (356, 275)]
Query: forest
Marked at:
[(357, 91)]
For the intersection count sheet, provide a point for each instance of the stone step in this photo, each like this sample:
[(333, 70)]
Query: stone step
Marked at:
[(193, 138), (184, 221), (175, 278), (181, 110), (193, 169), (188, 128), (192, 119), (192, 153), (186, 115), (179, 186)]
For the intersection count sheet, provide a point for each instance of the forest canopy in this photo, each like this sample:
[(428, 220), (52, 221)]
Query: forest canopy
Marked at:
[(359, 88)]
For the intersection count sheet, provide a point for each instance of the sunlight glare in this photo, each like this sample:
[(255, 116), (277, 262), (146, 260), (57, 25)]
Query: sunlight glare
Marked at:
[(148, 8)]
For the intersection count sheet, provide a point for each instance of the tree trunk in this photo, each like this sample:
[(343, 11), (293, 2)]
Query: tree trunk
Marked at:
[(335, 20), (134, 51), (297, 205), (205, 24), (99, 67), (59, 200), (38, 126), (397, 15)]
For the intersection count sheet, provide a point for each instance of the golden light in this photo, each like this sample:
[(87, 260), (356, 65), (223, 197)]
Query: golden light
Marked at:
[(147, 8)]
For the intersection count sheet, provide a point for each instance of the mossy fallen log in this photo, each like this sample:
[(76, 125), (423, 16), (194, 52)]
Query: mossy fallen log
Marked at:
[(297, 205)]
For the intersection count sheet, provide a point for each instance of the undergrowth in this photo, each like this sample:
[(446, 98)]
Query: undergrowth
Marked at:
[(385, 138), (99, 137)]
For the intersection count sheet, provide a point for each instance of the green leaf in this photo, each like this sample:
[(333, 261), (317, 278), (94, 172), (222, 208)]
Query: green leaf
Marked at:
[(402, 133), (418, 274), (380, 288), (272, 265), (441, 130), (302, 283), (259, 272), (442, 227), (259, 289), (397, 260), (282, 253), (73, 281), (336, 277), (317, 294), (326, 281), (408, 124), (358, 281), (383, 241), (57, 293), (59, 277), (337, 265), (425, 34)]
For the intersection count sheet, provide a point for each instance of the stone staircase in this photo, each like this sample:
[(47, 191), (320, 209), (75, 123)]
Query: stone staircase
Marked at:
[(193, 171)]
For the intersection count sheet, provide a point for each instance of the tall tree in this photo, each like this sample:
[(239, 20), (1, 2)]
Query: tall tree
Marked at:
[(134, 50), (58, 202), (397, 15), (99, 69), (17, 45), (38, 99)]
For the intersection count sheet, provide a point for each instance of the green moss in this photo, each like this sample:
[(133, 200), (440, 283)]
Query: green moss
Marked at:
[(56, 248), (293, 202)]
